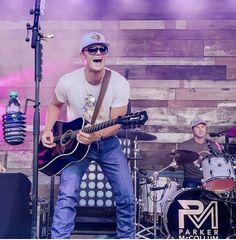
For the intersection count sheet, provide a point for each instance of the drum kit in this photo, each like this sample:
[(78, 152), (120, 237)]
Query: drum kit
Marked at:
[(164, 210)]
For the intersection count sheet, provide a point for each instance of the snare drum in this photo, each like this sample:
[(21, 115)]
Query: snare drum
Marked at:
[(196, 214), (166, 189), (218, 174)]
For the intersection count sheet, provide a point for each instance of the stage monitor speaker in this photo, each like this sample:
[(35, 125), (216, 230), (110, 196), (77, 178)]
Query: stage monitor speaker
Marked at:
[(15, 219)]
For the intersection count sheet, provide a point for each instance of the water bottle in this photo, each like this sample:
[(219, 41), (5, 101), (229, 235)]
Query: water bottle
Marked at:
[(14, 105), (14, 121)]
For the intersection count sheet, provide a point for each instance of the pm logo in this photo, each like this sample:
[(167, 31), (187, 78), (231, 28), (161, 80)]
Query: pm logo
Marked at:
[(194, 210)]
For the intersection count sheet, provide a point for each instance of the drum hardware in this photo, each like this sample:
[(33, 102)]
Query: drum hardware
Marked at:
[(209, 196), (154, 188), (211, 149), (126, 142), (233, 160), (229, 132), (217, 134), (158, 185), (153, 181), (163, 187), (135, 169), (136, 134), (135, 157), (230, 199)]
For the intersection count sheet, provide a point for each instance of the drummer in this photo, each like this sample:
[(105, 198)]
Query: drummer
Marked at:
[(201, 145)]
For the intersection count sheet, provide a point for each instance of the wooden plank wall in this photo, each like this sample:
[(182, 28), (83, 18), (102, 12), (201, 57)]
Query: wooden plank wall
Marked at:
[(179, 67)]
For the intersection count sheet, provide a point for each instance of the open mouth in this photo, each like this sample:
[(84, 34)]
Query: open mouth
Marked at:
[(97, 60)]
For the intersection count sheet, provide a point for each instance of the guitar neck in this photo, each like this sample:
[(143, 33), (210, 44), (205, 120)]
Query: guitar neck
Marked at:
[(90, 129), (99, 126), (129, 120)]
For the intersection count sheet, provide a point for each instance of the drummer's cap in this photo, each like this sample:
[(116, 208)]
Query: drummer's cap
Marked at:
[(197, 120)]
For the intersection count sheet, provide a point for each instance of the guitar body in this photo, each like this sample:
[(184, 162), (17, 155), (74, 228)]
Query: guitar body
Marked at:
[(52, 161)]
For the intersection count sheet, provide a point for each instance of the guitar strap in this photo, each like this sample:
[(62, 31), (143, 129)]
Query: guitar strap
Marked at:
[(102, 92)]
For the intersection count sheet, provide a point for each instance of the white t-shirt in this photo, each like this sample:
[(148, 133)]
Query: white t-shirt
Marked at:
[(80, 96)]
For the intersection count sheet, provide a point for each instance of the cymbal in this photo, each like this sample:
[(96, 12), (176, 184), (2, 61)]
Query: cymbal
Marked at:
[(183, 156), (231, 132), (132, 134), (166, 157)]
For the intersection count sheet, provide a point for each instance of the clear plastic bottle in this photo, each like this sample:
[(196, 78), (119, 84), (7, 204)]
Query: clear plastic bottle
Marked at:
[(14, 121), (14, 105)]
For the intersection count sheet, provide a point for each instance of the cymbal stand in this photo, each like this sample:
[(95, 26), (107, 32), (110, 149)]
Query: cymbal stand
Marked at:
[(126, 144), (155, 207), (135, 170), (136, 152)]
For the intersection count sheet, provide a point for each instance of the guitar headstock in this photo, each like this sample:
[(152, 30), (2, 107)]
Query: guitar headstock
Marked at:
[(133, 119)]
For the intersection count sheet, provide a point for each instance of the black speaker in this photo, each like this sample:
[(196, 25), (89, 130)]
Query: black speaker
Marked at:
[(15, 219)]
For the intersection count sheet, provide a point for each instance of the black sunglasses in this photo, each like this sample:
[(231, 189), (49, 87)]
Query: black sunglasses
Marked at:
[(94, 50)]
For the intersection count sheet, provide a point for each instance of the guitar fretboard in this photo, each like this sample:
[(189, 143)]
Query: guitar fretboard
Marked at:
[(90, 129), (99, 126)]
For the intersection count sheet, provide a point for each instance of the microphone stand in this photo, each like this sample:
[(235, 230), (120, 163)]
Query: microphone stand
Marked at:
[(35, 44)]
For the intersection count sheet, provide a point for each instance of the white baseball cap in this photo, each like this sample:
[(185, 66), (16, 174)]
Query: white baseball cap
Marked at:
[(197, 120), (92, 38)]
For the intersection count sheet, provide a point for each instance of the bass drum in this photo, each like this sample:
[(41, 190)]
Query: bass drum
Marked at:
[(196, 213)]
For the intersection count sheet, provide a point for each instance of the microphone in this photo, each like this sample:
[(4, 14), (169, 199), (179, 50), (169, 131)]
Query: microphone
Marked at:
[(219, 134), (211, 149)]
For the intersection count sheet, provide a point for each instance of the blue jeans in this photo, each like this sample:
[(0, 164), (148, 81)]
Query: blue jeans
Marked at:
[(191, 182), (109, 155)]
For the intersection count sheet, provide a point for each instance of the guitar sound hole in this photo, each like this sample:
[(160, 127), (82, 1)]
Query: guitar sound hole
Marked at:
[(66, 137)]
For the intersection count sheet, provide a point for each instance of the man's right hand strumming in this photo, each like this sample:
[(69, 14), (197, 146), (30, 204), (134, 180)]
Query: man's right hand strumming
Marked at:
[(47, 139)]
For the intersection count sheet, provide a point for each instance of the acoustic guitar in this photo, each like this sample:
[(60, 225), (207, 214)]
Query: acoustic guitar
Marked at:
[(68, 150)]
